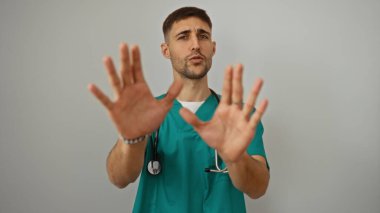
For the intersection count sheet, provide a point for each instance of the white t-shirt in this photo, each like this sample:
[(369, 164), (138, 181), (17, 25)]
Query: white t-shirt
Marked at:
[(191, 105)]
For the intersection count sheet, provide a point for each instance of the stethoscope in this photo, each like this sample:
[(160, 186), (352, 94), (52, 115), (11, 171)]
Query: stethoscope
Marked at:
[(154, 165)]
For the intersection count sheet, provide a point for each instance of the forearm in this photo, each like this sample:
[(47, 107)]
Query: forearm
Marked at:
[(124, 163), (249, 175)]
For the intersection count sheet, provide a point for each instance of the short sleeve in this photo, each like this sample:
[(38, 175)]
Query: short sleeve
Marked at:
[(257, 145)]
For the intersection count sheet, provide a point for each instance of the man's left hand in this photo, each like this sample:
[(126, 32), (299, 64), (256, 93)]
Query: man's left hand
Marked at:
[(233, 125)]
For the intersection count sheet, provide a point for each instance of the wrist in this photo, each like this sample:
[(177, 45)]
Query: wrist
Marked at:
[(238, 160), (134, 140)]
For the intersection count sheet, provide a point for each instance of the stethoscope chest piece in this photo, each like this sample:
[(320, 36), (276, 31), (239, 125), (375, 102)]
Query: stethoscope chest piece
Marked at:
[(154, 167)]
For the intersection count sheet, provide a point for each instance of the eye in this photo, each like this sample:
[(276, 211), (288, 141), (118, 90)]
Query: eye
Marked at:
[(183, 37), (203, 36)]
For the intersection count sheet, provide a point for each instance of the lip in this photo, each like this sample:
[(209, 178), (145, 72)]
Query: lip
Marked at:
[(196, 58)]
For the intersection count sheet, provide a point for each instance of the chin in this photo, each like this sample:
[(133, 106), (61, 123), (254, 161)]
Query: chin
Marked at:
[(195, 75)]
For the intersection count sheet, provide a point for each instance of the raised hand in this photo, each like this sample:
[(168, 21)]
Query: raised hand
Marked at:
[(134, 111), (232, 127)]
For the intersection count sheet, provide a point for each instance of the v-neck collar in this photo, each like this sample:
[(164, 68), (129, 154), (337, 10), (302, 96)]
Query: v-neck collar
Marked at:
[(204, 112)]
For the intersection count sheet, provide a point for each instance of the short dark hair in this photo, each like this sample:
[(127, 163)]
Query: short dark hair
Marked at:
[(184, 13)]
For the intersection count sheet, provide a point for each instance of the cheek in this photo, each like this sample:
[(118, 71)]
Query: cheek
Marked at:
[(209, 50), (172, 53), (177, 55)]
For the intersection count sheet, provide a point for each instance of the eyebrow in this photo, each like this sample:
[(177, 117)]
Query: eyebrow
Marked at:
[(183, 32), (199, 31)]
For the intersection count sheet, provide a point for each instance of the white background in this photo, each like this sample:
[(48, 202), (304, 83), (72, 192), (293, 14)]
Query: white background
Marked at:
[(320, 61)]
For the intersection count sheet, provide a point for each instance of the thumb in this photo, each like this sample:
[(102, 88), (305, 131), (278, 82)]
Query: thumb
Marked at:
[(190, 118), (173, 92)]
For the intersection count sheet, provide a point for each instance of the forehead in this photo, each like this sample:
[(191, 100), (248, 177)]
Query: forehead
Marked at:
[(191, 23)]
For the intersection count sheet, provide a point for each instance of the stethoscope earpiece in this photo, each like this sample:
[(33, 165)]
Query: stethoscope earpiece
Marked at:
[(218, 169)]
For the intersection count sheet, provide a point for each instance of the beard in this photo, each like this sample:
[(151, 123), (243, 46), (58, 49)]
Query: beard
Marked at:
[(183, 67)]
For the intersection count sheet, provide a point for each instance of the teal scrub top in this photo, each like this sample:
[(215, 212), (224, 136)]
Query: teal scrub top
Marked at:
[(183, 185)]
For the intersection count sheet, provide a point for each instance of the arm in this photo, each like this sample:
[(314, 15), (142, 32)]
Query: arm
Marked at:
[(134, 112), (124, 163), (232, 129), (250, 175)]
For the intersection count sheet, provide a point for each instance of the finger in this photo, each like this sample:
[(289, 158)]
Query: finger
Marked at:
[(100, 96), (227, 84), (112, 76), (248, 107), (125, 65), (237, 88), (172, 93), (137, 67), (190, 118), (257, 115)]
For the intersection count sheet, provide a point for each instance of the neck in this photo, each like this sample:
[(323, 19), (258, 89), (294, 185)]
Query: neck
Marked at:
[(193, 90)]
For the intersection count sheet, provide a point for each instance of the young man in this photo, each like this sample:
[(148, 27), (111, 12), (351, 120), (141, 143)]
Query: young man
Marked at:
[(172, 160)]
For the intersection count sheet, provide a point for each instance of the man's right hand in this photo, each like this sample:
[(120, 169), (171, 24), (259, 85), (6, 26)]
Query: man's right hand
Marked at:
[(135, 112)]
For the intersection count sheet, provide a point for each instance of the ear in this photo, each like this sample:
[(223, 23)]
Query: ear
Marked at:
[(213, 48), (165, 50)]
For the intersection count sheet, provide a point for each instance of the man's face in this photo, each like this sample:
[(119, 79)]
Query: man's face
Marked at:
[(190, 48)]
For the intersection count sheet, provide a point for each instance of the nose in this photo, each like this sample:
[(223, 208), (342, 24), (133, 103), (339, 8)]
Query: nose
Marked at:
[(195, 43)]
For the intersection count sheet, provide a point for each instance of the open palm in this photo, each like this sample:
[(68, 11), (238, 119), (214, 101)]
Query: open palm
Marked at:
[(233, 126), (135, 112)]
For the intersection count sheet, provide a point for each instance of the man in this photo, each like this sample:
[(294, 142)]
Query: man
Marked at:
[(186, 140)]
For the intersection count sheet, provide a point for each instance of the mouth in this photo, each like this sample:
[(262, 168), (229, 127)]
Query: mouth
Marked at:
[(196, 58)]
